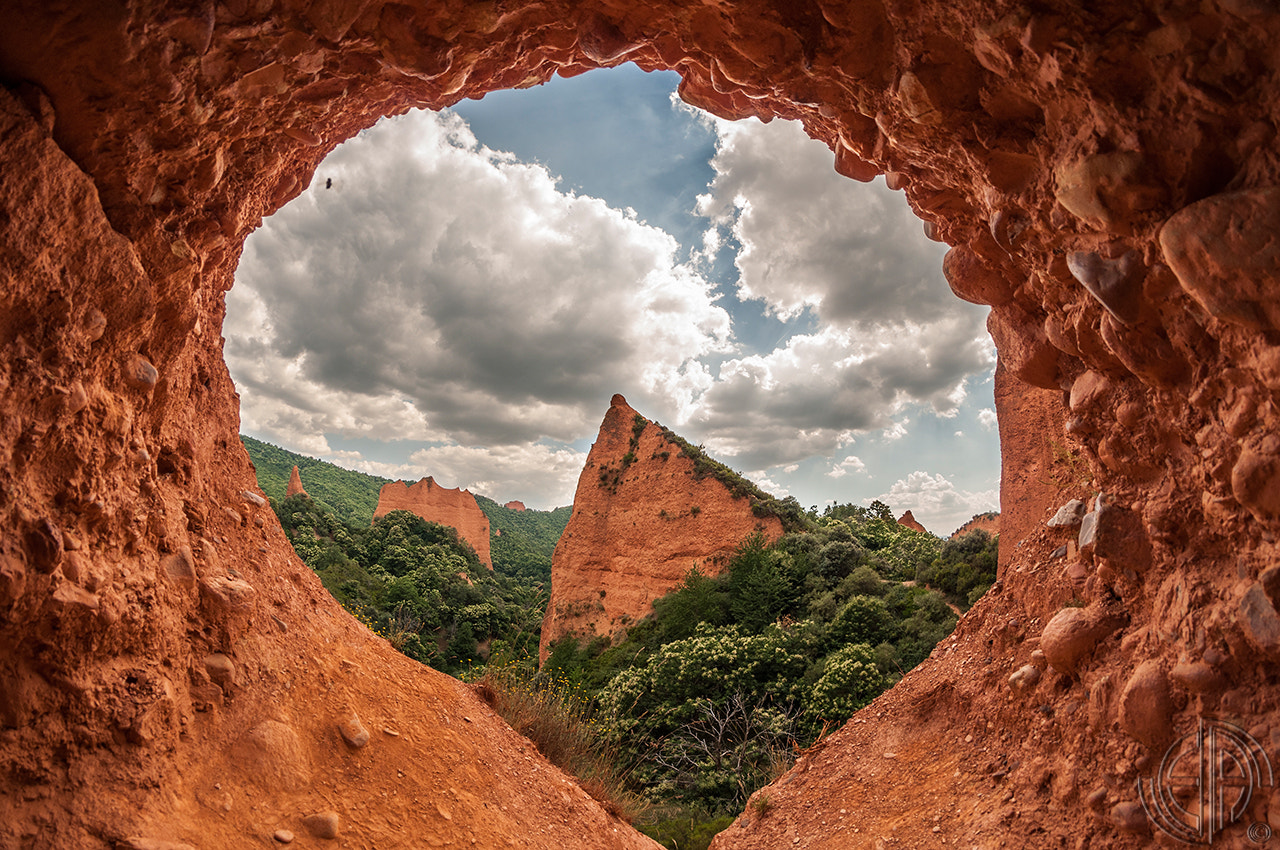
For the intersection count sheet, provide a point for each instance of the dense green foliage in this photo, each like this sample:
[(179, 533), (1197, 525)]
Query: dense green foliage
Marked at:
[(964, 569), (522, 549), (687, 831), (418, 584), (348, 495), (711, 697), (521, 542)]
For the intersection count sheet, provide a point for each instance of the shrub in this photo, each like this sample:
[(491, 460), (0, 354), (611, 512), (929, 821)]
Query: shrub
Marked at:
[(864, 619), (863, 581), (691, 832), (851, 680)]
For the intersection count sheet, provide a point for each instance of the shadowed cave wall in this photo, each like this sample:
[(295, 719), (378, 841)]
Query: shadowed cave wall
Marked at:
[(1107, 179)]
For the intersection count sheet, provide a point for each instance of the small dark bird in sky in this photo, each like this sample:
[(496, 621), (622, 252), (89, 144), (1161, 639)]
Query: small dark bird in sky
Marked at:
[(328, 183)]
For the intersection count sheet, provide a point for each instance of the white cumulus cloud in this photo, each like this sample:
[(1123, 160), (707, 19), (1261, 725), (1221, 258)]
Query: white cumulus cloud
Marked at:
[(441, 291), (849, 465), (936, 502), (888, 333)]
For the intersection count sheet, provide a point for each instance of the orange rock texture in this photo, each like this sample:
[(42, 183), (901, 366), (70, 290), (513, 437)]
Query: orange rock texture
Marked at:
[(295, 485), (1107, 175), (515, 505), (909, 521), (982, 522), (455, 508), (642, 518)]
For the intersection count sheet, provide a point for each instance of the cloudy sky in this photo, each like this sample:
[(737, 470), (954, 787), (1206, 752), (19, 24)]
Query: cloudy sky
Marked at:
[(473, 286)]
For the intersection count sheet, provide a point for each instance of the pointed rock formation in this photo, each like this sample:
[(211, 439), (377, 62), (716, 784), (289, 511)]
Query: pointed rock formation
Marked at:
[(455, 508), (515, 506), (644, 514), (295, 485), (910, 522)]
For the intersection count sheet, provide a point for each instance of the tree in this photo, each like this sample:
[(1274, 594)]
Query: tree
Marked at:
[(462, 646), (850, 680), (863, 581), (697, 599), (863, 619), (759, 591)]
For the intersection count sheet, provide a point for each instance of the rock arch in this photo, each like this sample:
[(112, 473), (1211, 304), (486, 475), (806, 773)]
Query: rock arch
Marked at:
[(1106, 177)]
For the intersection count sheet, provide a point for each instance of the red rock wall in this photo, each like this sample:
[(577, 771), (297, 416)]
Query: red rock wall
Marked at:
[(637, 529), (515, 506), (455, 508), (1106, 173)]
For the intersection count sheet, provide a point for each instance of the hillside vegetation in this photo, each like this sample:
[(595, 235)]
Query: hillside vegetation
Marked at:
[(711, 697), (678, 721), (416, 583), (349, 495), (521, 542)]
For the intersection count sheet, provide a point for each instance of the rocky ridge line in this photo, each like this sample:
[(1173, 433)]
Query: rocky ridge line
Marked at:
[(643, 517)]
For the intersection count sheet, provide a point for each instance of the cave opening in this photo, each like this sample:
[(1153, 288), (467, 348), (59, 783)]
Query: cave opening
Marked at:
[(461, 269)]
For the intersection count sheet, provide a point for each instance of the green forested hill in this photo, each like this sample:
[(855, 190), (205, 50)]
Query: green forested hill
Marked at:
[(522, 549), (349, 495), (521, 542), (411, 581)]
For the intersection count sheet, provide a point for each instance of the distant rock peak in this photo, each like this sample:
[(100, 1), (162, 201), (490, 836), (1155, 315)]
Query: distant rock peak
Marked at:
[(295, 485), (988, 522), (910, 522)]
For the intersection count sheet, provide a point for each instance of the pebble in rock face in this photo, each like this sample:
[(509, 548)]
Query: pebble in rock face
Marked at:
[(1068, 516), (140, 374), (283, 836), (1025, 678), (1130, 816), (1146, 708), (220, 668), (353, 731), (1224, 253), (323, 824), (1260, 620), (1255, 481), (1116, 283), (1068, 637)]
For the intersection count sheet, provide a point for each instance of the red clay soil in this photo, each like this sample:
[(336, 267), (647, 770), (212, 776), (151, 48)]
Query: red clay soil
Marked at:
[(637, 529), (1107, 174)]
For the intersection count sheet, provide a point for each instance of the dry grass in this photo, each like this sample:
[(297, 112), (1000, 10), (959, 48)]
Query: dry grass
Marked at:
[(564, 725)]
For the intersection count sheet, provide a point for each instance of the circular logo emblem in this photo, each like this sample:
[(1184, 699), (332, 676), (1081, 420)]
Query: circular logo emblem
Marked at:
[(1205, 783)]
